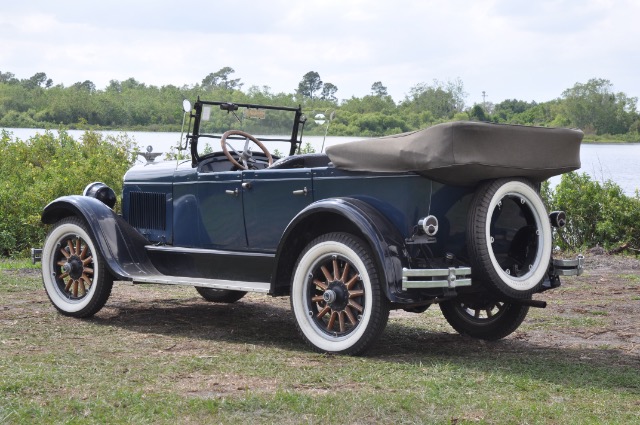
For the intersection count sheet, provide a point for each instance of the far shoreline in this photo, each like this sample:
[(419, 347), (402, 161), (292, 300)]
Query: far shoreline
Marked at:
[(160, 129)]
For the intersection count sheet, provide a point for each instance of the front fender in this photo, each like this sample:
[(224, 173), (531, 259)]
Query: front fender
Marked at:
[(122, 247), (342, 214)]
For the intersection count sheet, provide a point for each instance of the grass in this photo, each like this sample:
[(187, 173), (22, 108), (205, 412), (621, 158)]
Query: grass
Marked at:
[(17, 263), (161, 355), (630, 278)]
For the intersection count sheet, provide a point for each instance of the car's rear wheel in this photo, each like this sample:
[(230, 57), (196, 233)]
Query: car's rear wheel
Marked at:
[(509, 237), (485, 319), (73, 270), (220, 295), (336, 296)]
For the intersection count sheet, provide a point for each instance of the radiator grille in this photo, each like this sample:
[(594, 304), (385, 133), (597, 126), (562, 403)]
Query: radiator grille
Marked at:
[(148, 210)]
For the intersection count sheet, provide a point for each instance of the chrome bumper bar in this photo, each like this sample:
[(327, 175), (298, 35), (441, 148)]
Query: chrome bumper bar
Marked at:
[(36, 255), (573, 267), (452, 277)]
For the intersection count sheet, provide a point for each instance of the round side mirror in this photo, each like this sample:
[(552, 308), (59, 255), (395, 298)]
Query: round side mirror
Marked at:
[(186, 105)]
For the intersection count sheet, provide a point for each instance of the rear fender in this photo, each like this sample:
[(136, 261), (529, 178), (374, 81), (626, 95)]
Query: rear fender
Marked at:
[(349, 215), (122, 247)]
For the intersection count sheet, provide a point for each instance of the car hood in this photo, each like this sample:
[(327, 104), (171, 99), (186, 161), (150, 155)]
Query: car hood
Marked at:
[(162, 171)]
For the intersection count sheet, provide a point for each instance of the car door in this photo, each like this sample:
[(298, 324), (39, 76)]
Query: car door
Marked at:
[(272, 197), (221, 210)]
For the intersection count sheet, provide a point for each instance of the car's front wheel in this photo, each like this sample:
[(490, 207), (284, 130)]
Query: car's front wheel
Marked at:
[(73, 270), (336, 296), (484, 319)]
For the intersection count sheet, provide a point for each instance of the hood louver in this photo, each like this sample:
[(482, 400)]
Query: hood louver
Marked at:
[(148, 210)]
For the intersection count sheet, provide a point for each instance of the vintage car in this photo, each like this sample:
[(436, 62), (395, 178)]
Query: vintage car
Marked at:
[(449, 215)]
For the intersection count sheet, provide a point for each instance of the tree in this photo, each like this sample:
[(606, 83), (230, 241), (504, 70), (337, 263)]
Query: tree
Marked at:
[(114, 86), (7, 77), (86, 85), (131, 84), (377, 89), (442, 100), (595, 107), (505, 110), (220, 79), (38, 79), (309, 84), (329, 92), (477, 113), (369, 103)]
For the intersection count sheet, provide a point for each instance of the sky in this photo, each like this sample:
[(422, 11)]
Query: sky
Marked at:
[(530, 50)]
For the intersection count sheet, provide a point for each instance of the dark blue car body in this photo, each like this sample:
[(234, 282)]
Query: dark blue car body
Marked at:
[(346, 246)]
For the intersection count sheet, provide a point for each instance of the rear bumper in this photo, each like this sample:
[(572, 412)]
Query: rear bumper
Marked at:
[(452, 277), (36, 255), (573, 267)]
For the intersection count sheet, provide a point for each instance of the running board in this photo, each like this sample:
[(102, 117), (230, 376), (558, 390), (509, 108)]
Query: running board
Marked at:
[(262, 287)]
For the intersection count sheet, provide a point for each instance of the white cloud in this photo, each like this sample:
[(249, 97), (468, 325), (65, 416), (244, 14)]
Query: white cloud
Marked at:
[(508, 48)]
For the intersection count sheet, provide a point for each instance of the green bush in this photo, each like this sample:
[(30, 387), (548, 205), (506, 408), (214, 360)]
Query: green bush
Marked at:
[(599, 214), (46, 166)]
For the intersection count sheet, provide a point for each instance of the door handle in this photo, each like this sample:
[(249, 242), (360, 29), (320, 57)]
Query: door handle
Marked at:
[(304, 192), (246, 185), (233, 192)]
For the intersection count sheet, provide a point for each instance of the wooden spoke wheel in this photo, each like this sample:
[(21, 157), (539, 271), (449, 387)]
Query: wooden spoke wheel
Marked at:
[(73, 270), (336, 295)]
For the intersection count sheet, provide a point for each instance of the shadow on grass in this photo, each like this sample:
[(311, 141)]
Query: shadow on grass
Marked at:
[(269, 325)]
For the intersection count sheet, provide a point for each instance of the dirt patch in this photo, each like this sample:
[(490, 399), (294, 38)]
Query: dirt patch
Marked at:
[(221, 386), (598, 310)]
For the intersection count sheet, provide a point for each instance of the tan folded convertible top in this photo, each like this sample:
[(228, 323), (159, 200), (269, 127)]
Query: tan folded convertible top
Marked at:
[(464, 153)]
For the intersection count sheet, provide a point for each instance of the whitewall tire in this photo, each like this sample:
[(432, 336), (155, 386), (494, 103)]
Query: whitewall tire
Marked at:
[(509, 237), (73, 270), (336, 296)]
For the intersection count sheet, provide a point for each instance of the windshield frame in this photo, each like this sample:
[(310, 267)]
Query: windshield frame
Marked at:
[(193, 136)]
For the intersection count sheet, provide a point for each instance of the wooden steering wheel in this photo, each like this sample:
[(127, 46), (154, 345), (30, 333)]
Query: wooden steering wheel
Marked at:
[(246, 155)]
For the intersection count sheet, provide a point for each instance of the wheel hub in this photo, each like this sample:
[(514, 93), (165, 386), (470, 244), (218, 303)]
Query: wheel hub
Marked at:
[(336, 296), (73, 267), (329, 296)]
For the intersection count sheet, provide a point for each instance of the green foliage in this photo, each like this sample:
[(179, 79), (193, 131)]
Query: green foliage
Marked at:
[(35, 102), (307, 148), (329, 92), (378, 89), (309, 85), (595, 107), (599, 214), (48, 166), (504, 111), (383, 104), (477, 113), (221, 79), (443, 100)]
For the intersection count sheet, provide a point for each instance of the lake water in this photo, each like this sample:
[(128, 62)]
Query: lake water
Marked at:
[(617, 162)]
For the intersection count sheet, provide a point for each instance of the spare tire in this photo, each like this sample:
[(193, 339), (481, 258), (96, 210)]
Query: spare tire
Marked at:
[(509, 237)]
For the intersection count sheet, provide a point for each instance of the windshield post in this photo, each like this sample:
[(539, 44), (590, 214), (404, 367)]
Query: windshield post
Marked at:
[(299, 122), (195, 158)]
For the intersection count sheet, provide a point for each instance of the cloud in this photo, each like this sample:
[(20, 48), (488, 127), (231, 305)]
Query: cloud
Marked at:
[(508, 48)]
